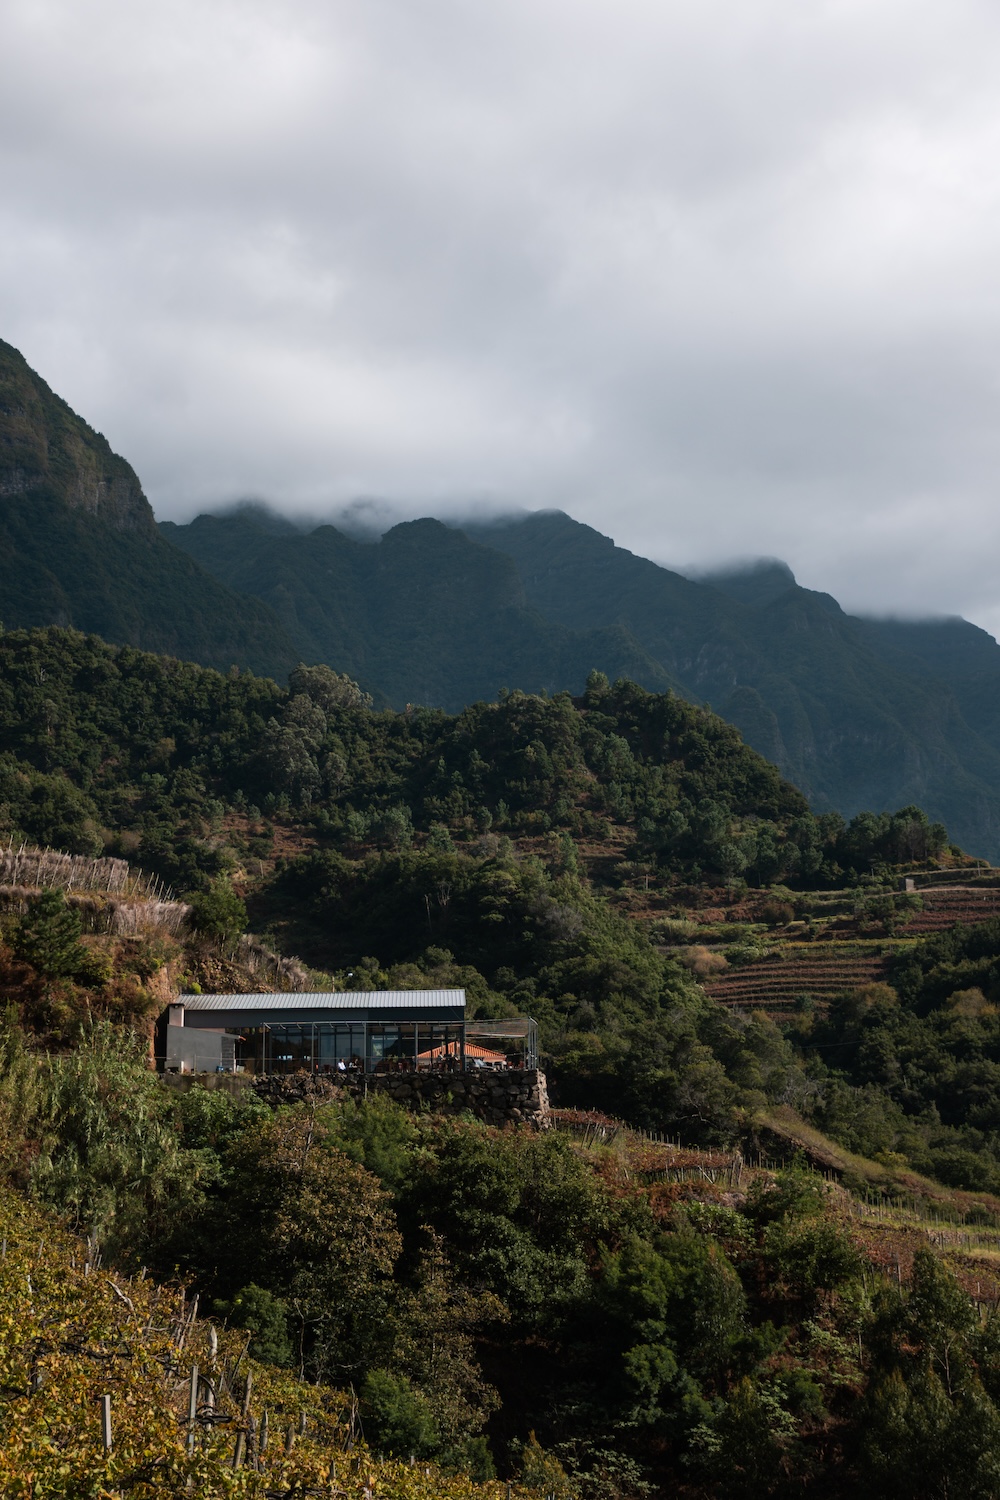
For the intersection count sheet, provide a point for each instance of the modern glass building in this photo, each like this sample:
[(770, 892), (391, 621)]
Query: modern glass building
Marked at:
[(360, 1031)]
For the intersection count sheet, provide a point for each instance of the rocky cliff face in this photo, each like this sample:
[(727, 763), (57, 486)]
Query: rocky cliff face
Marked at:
[(46, 447), (79, 544)]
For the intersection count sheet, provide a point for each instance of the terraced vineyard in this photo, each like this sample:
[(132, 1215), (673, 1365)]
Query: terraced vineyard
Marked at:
[(944, 905), (113, 1387), (775, 983)]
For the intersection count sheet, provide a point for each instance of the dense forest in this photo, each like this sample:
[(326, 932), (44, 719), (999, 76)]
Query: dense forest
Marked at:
[(585, 1310), (103, 742)]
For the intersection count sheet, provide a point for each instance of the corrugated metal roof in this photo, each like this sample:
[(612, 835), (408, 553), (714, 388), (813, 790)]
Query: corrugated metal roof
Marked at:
[(346, 1000)]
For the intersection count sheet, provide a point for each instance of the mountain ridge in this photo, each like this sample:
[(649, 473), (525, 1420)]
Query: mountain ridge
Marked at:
[(857, 713)]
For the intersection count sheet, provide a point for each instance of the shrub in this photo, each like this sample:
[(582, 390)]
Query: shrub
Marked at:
[(398, 1418), (48, 936), (263, 1316), (218, 912)]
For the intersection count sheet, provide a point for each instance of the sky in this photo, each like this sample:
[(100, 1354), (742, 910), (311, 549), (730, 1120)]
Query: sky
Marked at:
[(720, 278)]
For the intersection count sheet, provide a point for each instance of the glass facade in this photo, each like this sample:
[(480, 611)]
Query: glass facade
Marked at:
[(339, 1047), (360, 1032)]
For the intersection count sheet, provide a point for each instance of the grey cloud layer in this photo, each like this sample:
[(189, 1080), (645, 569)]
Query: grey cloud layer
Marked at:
[(720, 279)]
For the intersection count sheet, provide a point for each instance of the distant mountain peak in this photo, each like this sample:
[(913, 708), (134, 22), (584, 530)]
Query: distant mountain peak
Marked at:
[(261, 516), (757, 580)]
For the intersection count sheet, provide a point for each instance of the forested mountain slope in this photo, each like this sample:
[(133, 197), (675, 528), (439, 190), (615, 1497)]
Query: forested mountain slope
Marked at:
[(857, 713), (424, 616), (79, 545), (488, 849), (667, 1319)]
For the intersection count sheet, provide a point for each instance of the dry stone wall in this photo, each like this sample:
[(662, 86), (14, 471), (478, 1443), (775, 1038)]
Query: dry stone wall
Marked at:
[(514, 1097)]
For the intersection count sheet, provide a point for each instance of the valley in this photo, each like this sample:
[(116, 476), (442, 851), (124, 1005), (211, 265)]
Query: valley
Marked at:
[(763, 1215)]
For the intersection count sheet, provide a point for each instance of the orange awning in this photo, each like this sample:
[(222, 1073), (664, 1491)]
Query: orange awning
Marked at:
[(453, 1049)]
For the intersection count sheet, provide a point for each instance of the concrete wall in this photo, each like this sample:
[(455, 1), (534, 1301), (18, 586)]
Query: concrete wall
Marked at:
[(513, 1097), (189, 1050)]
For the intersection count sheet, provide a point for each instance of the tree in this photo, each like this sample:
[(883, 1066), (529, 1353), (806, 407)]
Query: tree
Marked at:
[(288, 761), (398, 1418), (929, 1426), (329, 690), (316, 1229), (435, 1347), (219, 911), (48, 936), (108, 1153), (542, 1471), (265, 1318)]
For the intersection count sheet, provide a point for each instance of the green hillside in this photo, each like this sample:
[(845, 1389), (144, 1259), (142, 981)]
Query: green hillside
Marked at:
[(856, 713), (589, 1311), (74, 1332), (501, 848), (599, 1315)]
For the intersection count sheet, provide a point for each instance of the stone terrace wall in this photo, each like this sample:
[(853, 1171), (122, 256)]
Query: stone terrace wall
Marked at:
[(513, 1097)]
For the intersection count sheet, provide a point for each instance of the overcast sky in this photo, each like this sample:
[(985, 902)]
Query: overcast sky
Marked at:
[(720, 277)]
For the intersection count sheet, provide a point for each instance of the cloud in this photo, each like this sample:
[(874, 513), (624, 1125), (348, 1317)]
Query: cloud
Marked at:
[(717, 279)]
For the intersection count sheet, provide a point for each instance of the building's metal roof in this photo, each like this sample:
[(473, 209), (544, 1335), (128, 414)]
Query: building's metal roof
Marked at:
[(327, 1000)]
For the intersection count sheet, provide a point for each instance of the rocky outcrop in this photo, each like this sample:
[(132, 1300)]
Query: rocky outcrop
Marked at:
[(45, 445), (79, 545)]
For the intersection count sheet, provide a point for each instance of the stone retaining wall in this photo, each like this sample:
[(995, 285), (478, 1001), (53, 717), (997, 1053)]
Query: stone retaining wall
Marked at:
[(514, 1097)]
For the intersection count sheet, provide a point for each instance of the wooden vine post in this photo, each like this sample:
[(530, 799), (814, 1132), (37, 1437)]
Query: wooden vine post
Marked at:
[(106, 1423)]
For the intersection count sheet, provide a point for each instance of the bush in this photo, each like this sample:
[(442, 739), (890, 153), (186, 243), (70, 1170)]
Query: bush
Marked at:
[(543, 1471), (263, 1316), (397, 1417), (702, 961), (218, 912)]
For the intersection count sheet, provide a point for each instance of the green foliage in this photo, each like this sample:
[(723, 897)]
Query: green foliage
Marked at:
[(107, 1153), (446, 1268), (72, 1332), (94, 737), (930, 1427), (327, 689), (218, 912), (303, 1220), (398, 1417), (48, 936), (542, 1471), (21, 1097), (265, 1317), (914, 1068)]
